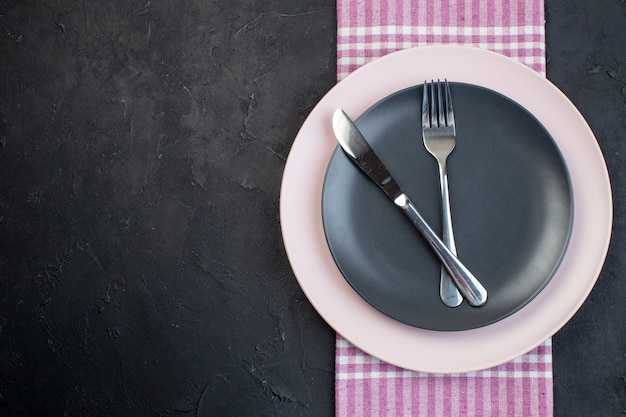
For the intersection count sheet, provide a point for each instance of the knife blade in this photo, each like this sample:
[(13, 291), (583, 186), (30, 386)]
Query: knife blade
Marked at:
[(359, 151)]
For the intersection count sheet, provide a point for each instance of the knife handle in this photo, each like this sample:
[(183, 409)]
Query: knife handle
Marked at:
[(466, 282)]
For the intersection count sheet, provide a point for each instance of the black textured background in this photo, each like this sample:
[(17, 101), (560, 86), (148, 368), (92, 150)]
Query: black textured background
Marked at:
[(586, 51), (142, 143)]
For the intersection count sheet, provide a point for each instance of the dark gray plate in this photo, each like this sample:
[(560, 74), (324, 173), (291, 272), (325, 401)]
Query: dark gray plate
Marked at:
[(511, 203)]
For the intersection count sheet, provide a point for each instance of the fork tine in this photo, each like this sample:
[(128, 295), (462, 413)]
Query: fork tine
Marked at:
[(440, 109), (433, 105), (449, 109), (425, 109)]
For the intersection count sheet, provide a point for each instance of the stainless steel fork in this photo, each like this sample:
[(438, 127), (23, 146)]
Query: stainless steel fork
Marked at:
[(439, 135)]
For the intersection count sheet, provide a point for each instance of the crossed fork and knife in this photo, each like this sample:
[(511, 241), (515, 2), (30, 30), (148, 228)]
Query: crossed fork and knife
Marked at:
[(439, 136)]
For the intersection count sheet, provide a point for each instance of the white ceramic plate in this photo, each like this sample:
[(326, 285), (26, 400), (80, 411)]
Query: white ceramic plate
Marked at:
[(401, 344)]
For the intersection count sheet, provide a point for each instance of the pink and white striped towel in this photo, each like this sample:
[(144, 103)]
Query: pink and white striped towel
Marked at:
[(365, 386)]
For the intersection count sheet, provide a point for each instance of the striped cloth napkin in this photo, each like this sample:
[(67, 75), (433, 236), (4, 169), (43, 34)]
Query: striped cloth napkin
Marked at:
[(365, 386)]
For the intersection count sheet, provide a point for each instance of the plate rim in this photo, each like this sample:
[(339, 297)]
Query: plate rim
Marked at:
[(436, 351)]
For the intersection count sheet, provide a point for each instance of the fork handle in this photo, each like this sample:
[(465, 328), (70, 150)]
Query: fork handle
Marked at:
[(466, 282), (448, 292)]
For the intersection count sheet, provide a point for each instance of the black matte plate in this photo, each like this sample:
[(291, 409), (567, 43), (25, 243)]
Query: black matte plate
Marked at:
[(511, 203)]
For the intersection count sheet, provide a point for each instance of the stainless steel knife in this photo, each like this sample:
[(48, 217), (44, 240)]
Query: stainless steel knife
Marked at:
[(360, 152)]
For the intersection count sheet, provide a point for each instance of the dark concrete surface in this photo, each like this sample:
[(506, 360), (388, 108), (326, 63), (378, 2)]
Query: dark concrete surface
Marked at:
[(586, 49), (142, 143)]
